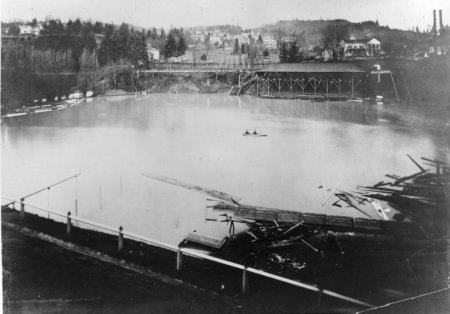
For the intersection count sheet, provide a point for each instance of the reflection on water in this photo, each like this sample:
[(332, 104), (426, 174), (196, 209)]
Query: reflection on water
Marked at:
[(197, 139)]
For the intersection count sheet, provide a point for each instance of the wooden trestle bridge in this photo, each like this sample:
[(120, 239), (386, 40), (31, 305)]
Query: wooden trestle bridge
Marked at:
[(307, 80)]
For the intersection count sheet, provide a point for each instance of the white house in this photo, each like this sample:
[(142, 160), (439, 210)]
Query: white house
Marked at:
[(28, 29), (361, 47), (213, 39), (373, 47), (269, 42), (153, 54)]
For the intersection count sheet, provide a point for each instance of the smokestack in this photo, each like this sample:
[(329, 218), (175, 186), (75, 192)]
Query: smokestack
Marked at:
[(441, 24), (434, 22)]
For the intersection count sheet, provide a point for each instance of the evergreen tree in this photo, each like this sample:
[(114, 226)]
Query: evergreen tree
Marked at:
[(260, 41), (242, 48), (98, 28), (181, 47), (106, 55), (14, 30), (236, 46), (283, 53), (122, 44), (293, 53), (142, 55), (170, 48)]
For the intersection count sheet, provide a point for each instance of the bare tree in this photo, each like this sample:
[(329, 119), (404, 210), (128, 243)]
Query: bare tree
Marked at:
[(332, 35)]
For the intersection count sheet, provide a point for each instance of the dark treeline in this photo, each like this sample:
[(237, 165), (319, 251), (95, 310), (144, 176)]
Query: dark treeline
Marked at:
[(290, 53), (63, 46), (82, 49)]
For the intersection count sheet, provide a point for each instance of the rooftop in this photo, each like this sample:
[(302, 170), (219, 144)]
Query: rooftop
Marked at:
[(312, 67)]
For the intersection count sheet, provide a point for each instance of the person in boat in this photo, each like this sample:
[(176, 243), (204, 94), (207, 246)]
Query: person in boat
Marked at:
[(247, 132), (254, 132)]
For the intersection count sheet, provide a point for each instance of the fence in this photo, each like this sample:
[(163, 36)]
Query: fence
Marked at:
[(186, 251)]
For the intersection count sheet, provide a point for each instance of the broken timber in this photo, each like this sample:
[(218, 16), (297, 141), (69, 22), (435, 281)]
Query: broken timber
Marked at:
[(206, 241), (210, 192), (328, 222)]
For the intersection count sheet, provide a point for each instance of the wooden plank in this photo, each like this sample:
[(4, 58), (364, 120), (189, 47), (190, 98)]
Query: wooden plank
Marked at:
[(207, 191), (287, 216), (368, 224), (245, 212), (268, 215), (341, 221), (205, 240), (314, 219)]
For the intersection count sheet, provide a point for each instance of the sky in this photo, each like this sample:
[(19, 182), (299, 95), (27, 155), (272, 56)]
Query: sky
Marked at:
[(402, 14)]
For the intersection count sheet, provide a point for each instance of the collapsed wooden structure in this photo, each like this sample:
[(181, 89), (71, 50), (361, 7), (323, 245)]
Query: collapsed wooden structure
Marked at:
[(311, 80), (254, 214), (279, 227), (423, 196)]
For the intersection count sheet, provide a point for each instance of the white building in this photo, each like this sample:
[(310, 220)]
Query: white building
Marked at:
[(361, 47), (28, 29), (269, 42), (373, 47), (153, 54), (213, 39)]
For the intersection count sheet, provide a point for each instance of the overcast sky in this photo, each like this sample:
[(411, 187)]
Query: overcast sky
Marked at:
[(401, 14)]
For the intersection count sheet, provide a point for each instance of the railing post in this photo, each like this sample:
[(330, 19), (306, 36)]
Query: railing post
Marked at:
[(120, 239), (244, 281), (22, 209), (319, 297), (179, 259), (69, 223)]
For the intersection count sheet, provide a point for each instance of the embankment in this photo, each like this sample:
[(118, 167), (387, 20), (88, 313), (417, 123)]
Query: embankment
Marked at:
[(76, 266), (419, 82), (189, 83)]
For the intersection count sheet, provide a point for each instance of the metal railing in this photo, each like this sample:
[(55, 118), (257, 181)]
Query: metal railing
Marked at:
[(186, 251)]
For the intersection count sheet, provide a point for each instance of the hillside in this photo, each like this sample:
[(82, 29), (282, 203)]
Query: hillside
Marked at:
[(308, 33)]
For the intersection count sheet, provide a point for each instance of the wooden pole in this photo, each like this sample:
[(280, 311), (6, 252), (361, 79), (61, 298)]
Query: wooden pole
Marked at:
[(120, 246), (395, 88), (257, 91), (352, 86), (291, 86), (179, 260), (319, 297), (69, 223), (22, 209), (244, 281), (76, 196)]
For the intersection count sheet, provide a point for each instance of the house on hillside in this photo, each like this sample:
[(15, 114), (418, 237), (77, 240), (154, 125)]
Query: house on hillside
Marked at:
[(215, 39), (373, 47), (360, 47), (289, 39), (269, 42), (98, 39), (30, 30), (153, 54)]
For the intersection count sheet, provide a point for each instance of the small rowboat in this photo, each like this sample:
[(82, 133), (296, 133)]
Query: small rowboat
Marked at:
[(252, 134)]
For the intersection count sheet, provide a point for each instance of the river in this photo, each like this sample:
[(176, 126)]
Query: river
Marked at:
[(197, 138)]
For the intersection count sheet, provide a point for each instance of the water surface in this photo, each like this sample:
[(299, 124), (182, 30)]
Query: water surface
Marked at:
[(198, 139)]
